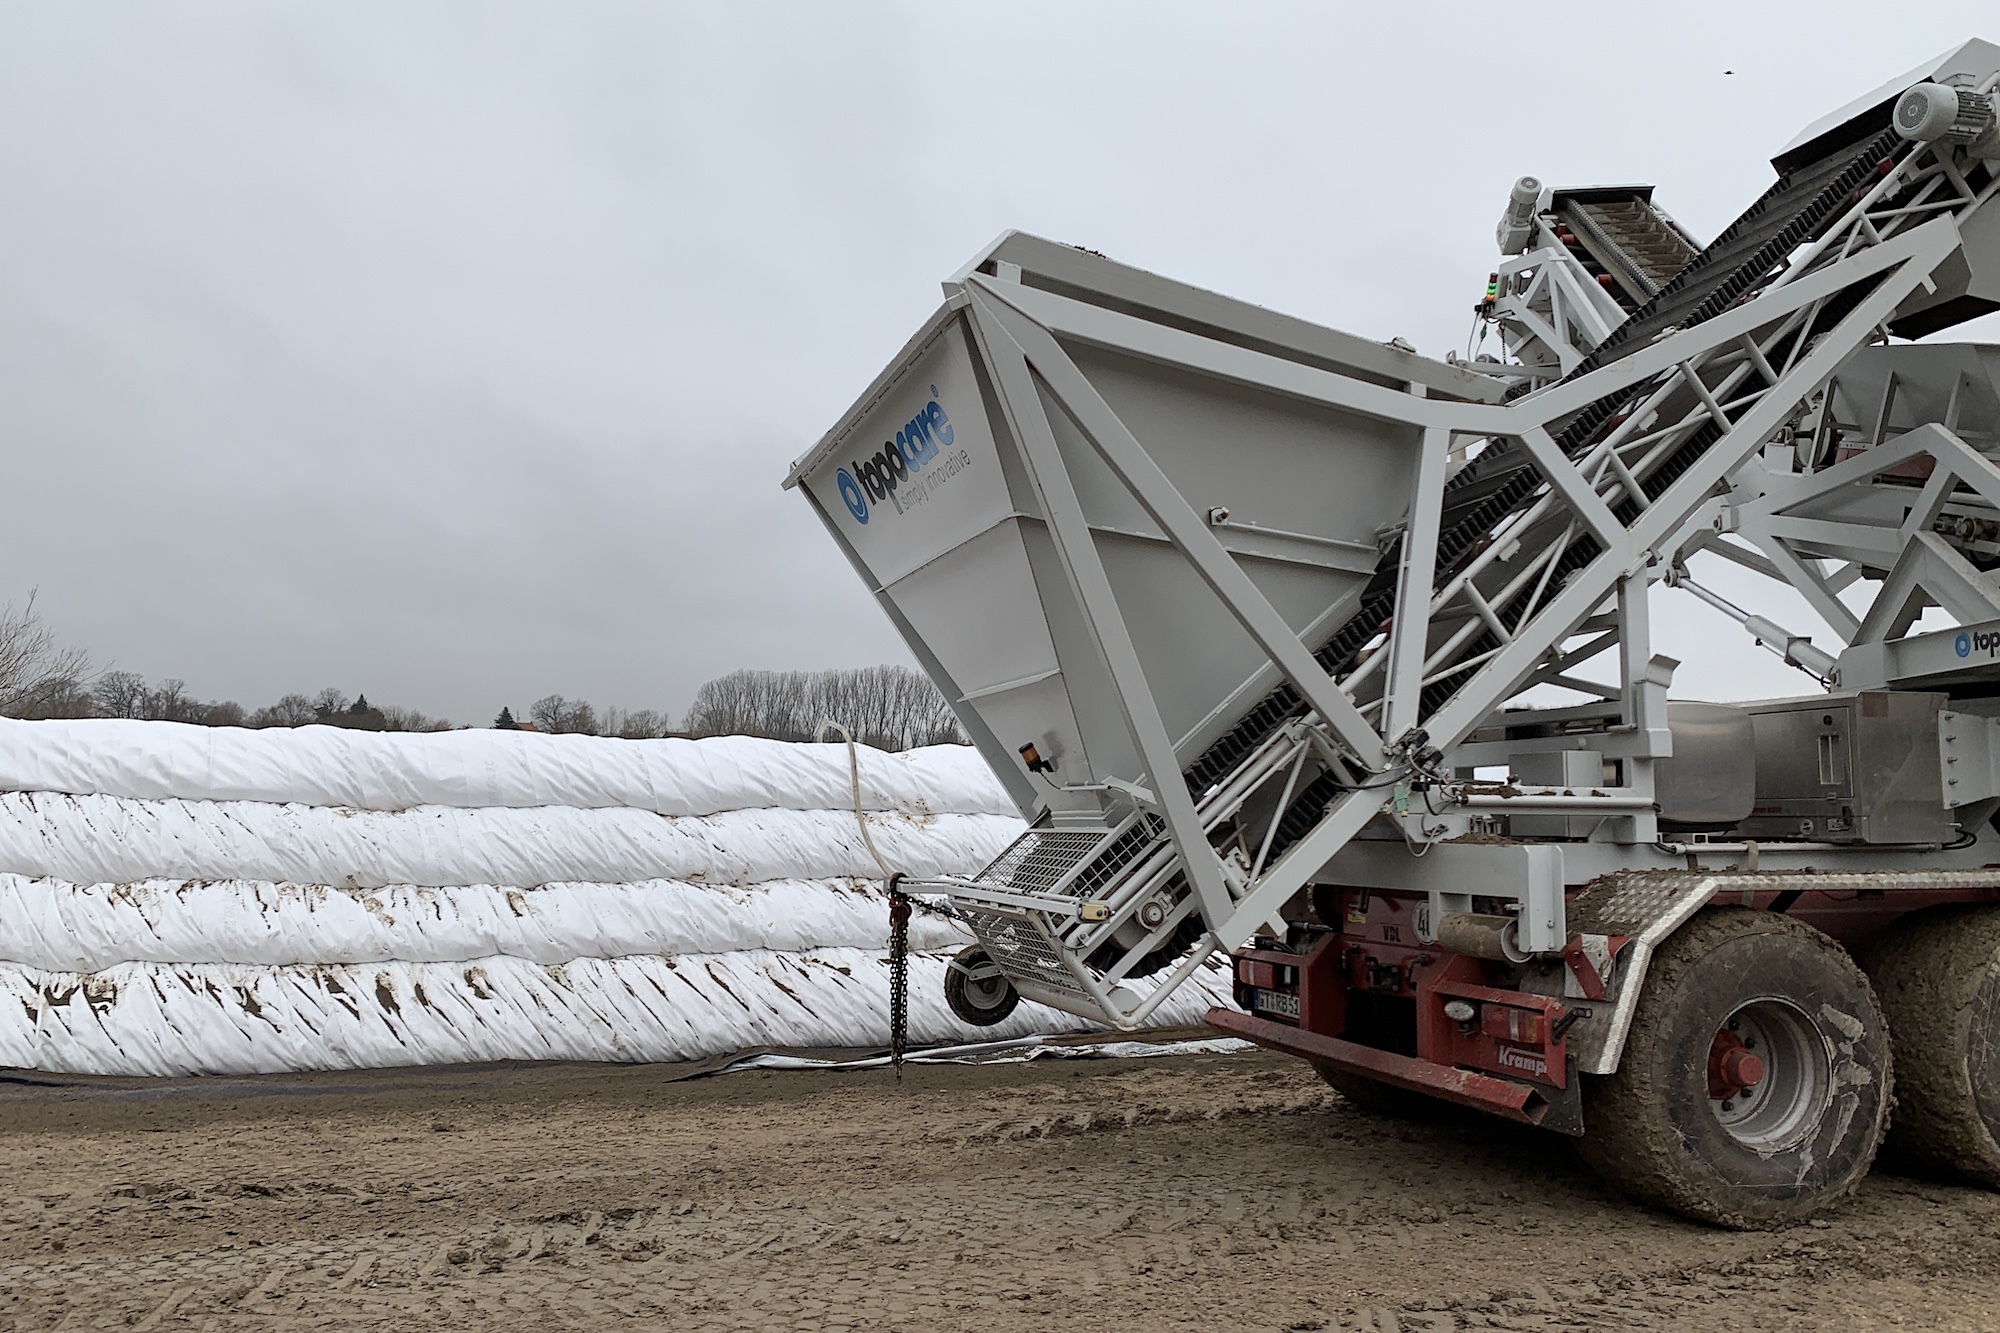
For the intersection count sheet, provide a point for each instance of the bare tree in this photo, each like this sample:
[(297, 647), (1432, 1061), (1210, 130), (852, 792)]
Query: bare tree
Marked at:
[(750, 703), (120, 694), (294, 710), (640, 724), (409, 719), (65, 698), (328, 702), (557, 715), (228, 713), (889, 707), (169, 701), (39, 677)]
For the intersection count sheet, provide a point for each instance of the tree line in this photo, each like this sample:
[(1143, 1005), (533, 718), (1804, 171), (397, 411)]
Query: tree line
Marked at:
[(889, 707), (576, 717)]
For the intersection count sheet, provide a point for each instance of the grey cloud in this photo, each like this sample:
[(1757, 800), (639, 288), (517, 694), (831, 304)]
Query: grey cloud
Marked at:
[(453, 352)]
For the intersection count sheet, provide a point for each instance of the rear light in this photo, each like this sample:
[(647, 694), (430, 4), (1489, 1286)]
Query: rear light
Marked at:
[(1262, 975), (1509, 1024)]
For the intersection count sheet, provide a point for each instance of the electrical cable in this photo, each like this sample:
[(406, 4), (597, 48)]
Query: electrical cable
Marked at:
[(854, 770)]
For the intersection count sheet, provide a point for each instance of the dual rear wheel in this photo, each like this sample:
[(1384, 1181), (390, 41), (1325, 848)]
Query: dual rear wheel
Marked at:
[(1938, 973)]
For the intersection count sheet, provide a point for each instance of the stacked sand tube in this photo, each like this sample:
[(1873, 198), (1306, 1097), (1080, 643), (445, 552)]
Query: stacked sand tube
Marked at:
[(186, 900)]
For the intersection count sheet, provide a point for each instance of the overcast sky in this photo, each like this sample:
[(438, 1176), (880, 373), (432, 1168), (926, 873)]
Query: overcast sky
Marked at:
[(454, 353)]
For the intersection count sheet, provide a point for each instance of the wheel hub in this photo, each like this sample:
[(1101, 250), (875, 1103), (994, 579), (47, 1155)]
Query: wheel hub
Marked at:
[(987, 992), (1770, 1079), (1733, 1069)]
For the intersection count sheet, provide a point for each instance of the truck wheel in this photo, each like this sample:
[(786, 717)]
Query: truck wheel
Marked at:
[(1755, 1082), (1938, 973), (983, 1002), (1385, 1099)]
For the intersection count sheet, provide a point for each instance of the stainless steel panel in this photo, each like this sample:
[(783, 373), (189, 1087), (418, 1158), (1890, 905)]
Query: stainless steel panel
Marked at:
[(960, 552), (1711, 780), (1859, 767), (1578, 770)]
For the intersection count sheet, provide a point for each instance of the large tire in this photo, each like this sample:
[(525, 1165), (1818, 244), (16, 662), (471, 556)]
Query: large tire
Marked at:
[(1938, 973), (1777, 1019), (981, 1003)]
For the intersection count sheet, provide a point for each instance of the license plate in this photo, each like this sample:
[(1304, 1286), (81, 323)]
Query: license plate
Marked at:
[(1278, 1002)]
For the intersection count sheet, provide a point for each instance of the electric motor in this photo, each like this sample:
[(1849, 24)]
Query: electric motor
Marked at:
[(1517, 224), (1931, 112)]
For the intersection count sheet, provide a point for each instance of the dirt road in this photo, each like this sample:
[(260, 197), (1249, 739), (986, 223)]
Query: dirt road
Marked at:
[(1196, 1192)]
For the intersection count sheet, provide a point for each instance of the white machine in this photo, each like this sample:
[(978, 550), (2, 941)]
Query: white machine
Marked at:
[(1242, 610)]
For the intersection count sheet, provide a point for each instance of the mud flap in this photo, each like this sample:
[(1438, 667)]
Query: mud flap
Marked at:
[(1565, 1113)]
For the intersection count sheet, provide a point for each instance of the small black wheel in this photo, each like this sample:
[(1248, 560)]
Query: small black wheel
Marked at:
[(1755, 1083), (1371, 1097), (980, 1000), (1938, 973)]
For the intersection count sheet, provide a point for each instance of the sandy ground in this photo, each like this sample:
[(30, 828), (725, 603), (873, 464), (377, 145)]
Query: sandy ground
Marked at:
[(1191, 1192)]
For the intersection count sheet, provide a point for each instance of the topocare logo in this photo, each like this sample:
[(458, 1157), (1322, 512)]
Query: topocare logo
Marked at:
[(879, 477), (1977, 641)]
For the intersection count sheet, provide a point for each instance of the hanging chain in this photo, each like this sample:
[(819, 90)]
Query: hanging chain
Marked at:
[(899, 973), (899, 913)]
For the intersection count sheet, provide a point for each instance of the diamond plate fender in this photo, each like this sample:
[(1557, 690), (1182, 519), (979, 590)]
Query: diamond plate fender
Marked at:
[(1649, 905)]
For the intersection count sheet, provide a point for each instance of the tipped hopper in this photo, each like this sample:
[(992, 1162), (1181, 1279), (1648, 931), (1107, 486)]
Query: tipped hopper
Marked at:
[(1006, 487)]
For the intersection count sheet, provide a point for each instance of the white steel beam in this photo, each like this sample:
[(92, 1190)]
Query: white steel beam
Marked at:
[(1929, 565), (1165, 505), (1918, 253), (1575, 489), (1411, 631), (1070, 532)]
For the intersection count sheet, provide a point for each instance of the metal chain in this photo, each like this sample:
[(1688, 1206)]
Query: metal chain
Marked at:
[(899, 913), (899, 974)]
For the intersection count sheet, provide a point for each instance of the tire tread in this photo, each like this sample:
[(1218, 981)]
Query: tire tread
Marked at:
[(1926, 970)]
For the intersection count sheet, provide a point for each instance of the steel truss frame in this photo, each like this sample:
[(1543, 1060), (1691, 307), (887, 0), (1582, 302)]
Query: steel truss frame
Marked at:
[(1549, 310), (1508, 617)]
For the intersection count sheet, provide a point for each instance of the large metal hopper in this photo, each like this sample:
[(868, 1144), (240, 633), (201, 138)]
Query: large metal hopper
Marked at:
[(941, 484)]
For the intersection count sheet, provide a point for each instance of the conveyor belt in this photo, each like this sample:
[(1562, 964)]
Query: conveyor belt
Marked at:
[(1795, 210), (1792, 212), (1624, 236)]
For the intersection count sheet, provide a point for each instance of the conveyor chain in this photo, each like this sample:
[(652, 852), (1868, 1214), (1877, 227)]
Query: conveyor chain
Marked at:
[(1626, 238), (1497, 483)]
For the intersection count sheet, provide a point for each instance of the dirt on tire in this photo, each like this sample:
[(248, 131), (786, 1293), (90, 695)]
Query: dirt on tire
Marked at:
[(1935, 973), (1165, 1193), (1651, 1128)]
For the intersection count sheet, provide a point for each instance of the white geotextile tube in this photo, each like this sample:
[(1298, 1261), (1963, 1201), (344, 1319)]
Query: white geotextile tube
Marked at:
[(63, 927), (179, 900), (113, 840), (150, 1018), (331, 766)]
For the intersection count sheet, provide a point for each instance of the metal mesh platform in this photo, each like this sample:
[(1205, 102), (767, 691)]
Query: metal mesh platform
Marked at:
[(1021, 949), (1040, 859), (1071, 863)]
